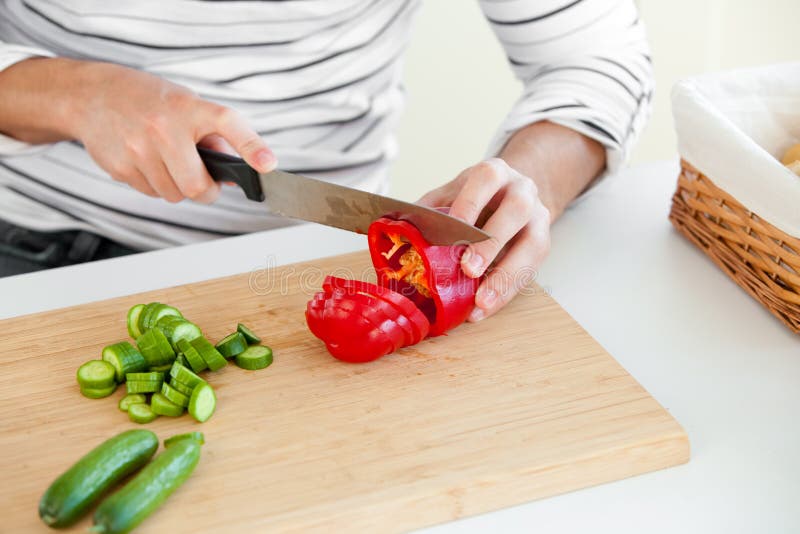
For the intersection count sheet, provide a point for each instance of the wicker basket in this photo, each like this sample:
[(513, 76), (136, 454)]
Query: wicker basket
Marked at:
[(759, 257)]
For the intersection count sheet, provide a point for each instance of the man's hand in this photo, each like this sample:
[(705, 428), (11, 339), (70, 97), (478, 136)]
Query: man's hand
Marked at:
[(514, 198), (139, 128)]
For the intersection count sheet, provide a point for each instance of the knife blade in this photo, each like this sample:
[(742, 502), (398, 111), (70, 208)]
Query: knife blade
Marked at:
[(309, 199)]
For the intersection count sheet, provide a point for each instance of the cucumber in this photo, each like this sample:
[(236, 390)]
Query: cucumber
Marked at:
[(133, 320), (153, 312), (163, 406), (174, 395), (141, 413), (181, 387), (209, 353), (254, 358), (177, 328), (202, 403), (142, 386), (131, 505), (197, 436), (232, 344), (248, 334), (131, 398), (185, 376), (147, 309), (98, 393), (155, 348), (81, 485), (125, 359), (152, 376), (96, 374), (196, 362)]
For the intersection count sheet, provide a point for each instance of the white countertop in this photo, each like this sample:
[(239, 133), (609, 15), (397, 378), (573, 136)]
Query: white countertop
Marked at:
[(725, 368)]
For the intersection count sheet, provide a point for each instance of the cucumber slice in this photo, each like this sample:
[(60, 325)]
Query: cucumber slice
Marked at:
[(162, 368), (152, 376), (254, 358), (196, 436), (248, 334), (131, 398), (155, 348), (96, 374), (174, 395), (209, 353), (232, 344), (182, 388), (125, 359), (184, 376), (133, 320), (163, 406), (202, 403), (98, 393), (146, 310), (141, 413), (177, 328), (196, 362), (181, 359), (140, 386), (152, 314)]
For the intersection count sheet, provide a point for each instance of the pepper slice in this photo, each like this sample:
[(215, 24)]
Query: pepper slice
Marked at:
[(429, 275), (348, 335)]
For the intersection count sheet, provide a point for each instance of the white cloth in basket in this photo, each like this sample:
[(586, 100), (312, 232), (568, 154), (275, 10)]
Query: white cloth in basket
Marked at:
[(734, 126)]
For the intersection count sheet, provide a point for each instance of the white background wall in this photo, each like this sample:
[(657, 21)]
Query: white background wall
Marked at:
[(460, 85)]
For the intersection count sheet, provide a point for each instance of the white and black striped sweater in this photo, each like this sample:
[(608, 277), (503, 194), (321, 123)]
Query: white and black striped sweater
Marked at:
[(319, 79)]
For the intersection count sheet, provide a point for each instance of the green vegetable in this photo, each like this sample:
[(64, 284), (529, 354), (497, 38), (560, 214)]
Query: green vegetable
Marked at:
[(161, 368), (209, 353), (125, 359), (98, 393), (77, 489), (96, 374), (131, 398), (155, 348), (248, 334), (182, 388), (254, 358), (177, 328), (232, 344), (185, 376), (153, 312), (152, 376), (133, 320), (181, 359), (196, 362), (128, 507), (163, 406), (142, 386), (141, 413), (202, 403), (197, 436), (174, 395)]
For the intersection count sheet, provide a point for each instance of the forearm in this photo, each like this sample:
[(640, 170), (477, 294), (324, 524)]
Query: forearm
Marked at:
[(38, 99), (561, 162)]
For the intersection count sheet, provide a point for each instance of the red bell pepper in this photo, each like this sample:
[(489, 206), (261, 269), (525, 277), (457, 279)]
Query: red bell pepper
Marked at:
[(422, 292), (430, 275)]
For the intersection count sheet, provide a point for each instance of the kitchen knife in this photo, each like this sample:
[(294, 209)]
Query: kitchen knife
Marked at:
[(300, 197)]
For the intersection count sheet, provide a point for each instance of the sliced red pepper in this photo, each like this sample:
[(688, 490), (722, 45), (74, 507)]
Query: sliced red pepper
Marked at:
[(429, 275)]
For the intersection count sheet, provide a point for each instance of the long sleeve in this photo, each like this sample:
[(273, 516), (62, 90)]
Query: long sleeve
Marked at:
[(9, 55), (585, 64)]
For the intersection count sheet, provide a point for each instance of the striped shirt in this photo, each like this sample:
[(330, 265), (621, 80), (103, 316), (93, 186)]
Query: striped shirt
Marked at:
[(320, 80)]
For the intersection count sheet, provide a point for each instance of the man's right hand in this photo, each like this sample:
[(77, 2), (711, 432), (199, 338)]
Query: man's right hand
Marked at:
[(139, 128)]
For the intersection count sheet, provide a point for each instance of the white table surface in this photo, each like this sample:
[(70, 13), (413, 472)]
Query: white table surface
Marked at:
[(724, 367)]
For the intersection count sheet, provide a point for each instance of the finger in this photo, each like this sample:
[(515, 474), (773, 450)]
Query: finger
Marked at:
[(158, 177), (215, 142), (137, 180), (441, 197), (188, 172), (513, 213), (246, 142), (481, 183), (515, 271)]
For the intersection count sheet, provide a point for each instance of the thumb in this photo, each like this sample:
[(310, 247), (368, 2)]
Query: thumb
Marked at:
[(232, 127)]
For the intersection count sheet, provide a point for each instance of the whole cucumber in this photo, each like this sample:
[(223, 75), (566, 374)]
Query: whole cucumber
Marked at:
[(128, 507), (66, 500)]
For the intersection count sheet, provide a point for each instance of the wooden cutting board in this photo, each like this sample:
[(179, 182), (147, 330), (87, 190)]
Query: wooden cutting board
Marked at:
[(519, 407)]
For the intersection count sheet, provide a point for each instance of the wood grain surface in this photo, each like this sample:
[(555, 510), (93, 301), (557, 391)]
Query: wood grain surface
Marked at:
[(518, 407)]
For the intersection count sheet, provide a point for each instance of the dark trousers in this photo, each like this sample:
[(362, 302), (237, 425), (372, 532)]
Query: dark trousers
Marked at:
[(24, 251)]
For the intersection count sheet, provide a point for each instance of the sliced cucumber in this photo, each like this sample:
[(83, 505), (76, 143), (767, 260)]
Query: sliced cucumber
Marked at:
[(162, 368), (155, 348), (181, 359), (141, 386), (254, 358), (231, 345), (174, 395), (131, 398), (125, 359), (196, 436), (196, 362), (182, 388), (98, 393), (202, 403), (152, 376), (141, 413), (146, 310), (96, 374), (74, 492), (163, 406), (133, 320), (248, 334), (185, 376), (155, 311), (177, 328), (209, 353)]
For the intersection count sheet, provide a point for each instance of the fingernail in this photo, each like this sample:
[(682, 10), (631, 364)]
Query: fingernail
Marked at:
[(474, 262), (266, 160), (476, 315), (488, 297)]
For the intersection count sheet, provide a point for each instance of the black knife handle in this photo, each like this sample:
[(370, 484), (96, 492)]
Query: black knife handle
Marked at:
[(227, 168)]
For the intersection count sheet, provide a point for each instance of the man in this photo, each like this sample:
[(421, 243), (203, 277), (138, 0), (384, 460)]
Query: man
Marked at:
[(132, 87)]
